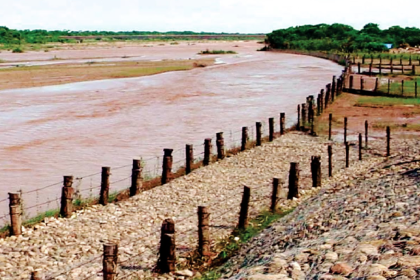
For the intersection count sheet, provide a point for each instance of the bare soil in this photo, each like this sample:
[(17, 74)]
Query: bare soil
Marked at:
[(403, 119)]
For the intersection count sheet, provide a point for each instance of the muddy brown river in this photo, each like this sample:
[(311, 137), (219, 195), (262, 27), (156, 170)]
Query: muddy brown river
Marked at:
[(75, 129)]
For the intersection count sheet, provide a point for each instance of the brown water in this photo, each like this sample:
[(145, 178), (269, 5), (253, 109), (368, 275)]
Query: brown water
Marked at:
[(75, 129)]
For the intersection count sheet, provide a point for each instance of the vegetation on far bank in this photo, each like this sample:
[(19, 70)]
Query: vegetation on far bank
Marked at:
[(341, 37), (217, 52)]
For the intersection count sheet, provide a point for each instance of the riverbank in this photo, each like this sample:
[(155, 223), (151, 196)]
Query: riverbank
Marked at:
[(365, 227), (72, 248)]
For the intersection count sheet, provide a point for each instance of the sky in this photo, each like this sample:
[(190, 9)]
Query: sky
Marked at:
[(243, 16)]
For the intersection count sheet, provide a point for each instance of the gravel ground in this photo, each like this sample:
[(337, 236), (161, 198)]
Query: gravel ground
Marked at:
[(72, 248), (365, 226)]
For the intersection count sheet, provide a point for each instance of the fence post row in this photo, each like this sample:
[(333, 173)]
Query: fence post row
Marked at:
[(329, 126), (136, 179), (207, 151), (15, 210), (189, 158), (167, 254), (274, 194), (203, 231), (243, 215), (103, 198), (330, 155), (270, 129), (327, 95), (347, 153), (282, 122), (67, 191), (293, 180), (110, 261), (366, 134), (258, 132), (345, 130), (244, 138), (167, 166), (220, 143), (333, 88), (316, 171), (303, 107), (388, 141), (351, 82)]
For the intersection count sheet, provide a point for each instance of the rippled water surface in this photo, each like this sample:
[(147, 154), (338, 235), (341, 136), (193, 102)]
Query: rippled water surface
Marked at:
[(75, 129)]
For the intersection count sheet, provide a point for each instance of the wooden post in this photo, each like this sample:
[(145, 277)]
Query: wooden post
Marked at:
[(167, 254), (136, 179), (244, 138), (327, 95), (207, 151), (15, 210), (370, 70), (402, 87), (358, 68), (316, 171), (258, 128), (110, 261), (35, 275), (380, 69), (318, 105), (347, 154), (351, 83), (415, 89), (389, 86), (366, 134), (329, 125), (333, 88), (103, 198), (413, 70), (303, 117), (388, 141), (362, 84), (401, 60), (298, 117), (220, 142), (282, 123), (360, 146), (243, 215), (203, 231), (293, 180), (321, 101), (274, 194), (376, 84), (67, 191), (363, 59), (392, 69), (189, 158), (402, 69), (167, 166), (390, 61), (270, 129), (345, 129), (330, 155)]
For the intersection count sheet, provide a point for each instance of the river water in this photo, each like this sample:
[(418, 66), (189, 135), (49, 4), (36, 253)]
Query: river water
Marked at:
[(75, 129)]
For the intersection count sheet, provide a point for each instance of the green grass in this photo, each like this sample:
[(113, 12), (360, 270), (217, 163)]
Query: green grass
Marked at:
[(366, 101), (395, 88), (233, 243), (39, 218), (217, 52)]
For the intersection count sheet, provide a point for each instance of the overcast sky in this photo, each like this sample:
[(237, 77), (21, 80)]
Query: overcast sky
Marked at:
[(245, 16)]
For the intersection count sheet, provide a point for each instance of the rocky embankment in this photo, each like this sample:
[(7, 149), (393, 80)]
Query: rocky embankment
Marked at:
[(362, 227), (321, 236)]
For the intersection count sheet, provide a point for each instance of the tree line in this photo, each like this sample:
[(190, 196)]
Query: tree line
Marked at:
[(344, 38), (40, 36)]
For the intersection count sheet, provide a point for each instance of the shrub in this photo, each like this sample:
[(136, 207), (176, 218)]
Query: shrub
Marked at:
[(17, 50)]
